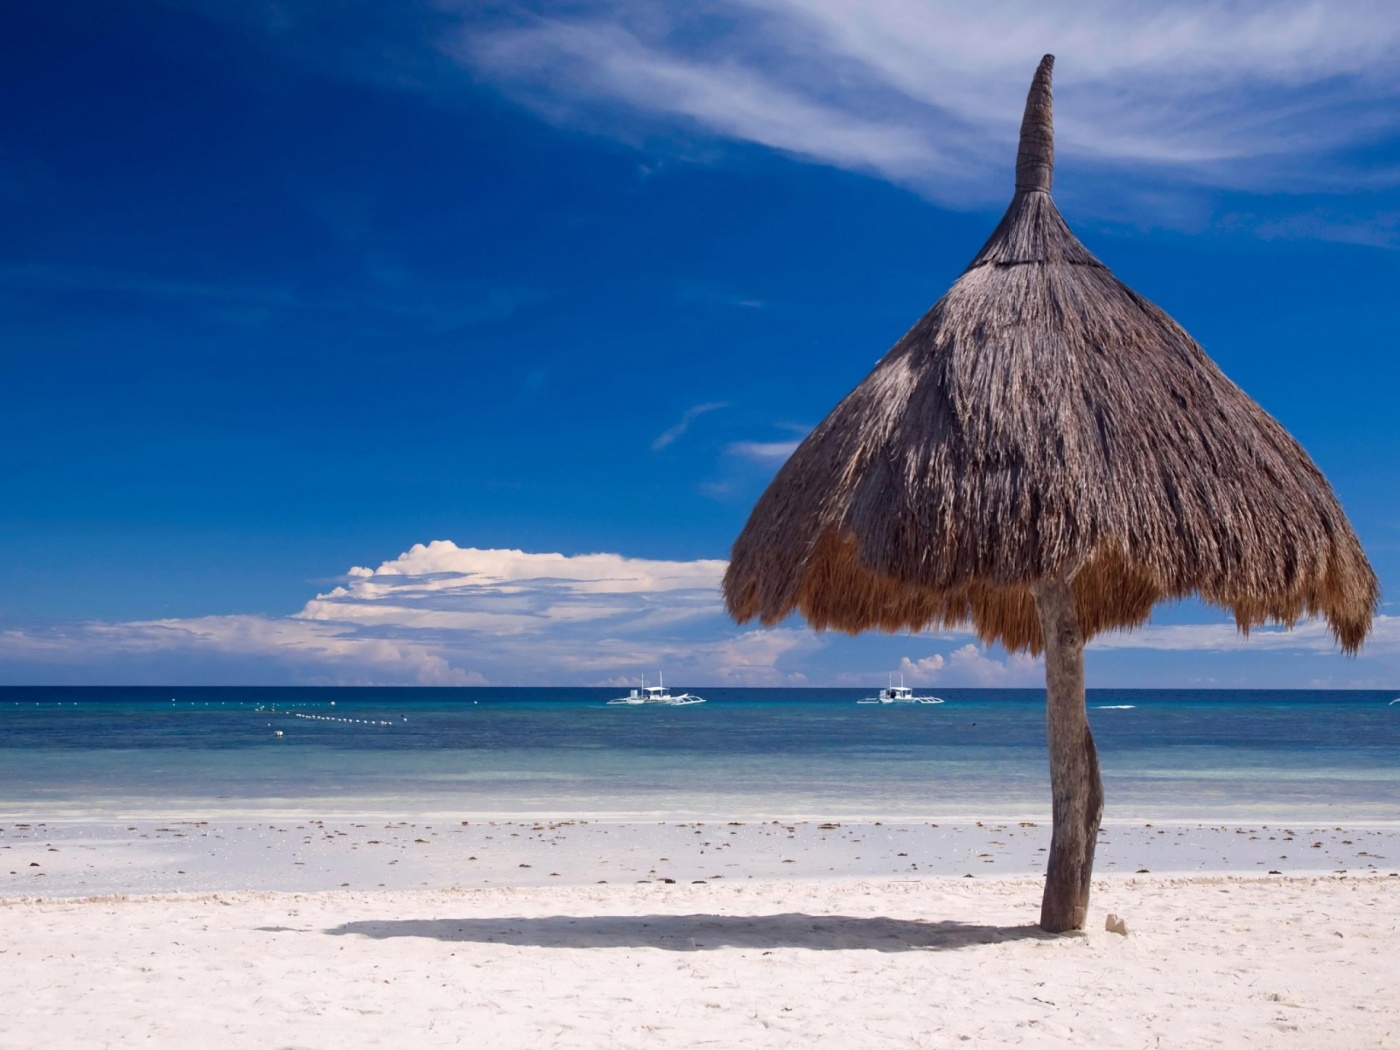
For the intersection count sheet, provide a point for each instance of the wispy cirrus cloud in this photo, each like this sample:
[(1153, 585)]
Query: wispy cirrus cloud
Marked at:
[(670, 434), (604, 61), (1156, 106), (766, 452), (1258, 96)]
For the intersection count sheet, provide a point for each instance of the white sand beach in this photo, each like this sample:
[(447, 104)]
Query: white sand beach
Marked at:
[(655, 935)]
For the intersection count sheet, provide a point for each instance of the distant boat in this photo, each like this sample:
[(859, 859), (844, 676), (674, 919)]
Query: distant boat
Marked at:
[(899, 694), (656, 694)]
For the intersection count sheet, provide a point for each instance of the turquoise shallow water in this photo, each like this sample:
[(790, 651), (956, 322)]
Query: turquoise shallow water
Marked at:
[(1166, 754)]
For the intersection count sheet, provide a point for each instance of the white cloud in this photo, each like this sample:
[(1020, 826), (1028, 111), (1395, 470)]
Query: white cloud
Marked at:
[(769, 452), (298, 650), (669, 435), (1381, 229), (1310, 636), (752, 657), (970, 666), (607, 62), (440, 614), (442, 566), (925, 669), (928, 93)]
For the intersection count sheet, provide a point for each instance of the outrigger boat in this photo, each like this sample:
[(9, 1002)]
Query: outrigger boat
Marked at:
[(656, 694), (899, 694)]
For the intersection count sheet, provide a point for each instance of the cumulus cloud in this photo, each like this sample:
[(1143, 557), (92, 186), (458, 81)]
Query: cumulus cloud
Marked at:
[(752, 657), (512, 591), (970, 665), (440, 614), (925, 669), (974, 665)]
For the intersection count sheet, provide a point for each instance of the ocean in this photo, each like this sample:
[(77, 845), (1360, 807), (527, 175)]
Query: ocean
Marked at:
[(110, 753)]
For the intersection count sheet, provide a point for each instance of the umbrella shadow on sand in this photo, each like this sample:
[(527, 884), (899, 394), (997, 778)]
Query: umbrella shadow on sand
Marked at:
[(686, 933)]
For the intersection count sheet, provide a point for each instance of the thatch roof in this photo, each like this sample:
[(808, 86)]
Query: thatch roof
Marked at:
[(1044, 420)]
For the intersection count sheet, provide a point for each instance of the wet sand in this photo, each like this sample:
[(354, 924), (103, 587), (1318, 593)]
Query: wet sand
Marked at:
[(75, 858)]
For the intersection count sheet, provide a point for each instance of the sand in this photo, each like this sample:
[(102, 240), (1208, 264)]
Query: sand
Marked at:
[(308, 933), (78, 859), (1228, 961)]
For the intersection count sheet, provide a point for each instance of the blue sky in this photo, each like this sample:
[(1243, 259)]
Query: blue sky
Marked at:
[(452, 343)]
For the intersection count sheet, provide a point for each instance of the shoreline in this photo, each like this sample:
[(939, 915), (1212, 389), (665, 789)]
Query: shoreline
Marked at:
[(520, 934), (1379, 815), (64, 859)]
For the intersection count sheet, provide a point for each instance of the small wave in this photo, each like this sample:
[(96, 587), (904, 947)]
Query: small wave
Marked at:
[(1115, 707)]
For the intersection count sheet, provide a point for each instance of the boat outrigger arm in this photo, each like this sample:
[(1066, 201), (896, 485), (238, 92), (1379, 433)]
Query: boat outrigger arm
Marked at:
[(656, 694)]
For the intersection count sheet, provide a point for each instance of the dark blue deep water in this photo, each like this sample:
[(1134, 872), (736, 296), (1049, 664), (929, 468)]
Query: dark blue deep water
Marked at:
[(1166, 754)]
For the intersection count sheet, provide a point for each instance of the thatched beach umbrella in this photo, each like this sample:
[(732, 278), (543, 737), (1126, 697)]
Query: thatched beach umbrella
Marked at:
[(1044, 456)]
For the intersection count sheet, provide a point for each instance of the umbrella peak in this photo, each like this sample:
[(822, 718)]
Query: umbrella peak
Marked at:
[(1035, 159), (1044, 425)]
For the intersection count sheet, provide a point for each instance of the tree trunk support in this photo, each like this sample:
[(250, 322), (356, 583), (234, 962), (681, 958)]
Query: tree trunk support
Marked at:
[(1075, 785)]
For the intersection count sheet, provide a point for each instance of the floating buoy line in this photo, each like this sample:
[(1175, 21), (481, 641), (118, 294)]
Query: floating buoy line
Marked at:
[(353, 721), (375, 722)]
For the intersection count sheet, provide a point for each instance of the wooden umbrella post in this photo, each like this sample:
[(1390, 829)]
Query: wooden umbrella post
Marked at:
[(1043, 423), (1075, 785)]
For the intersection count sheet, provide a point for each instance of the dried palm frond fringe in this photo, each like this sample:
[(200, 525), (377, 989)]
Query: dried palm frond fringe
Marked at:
[(1045, 421)]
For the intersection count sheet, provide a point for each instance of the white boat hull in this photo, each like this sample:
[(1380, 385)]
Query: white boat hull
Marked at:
[(899, 694), (655, 695), (903, 700)]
